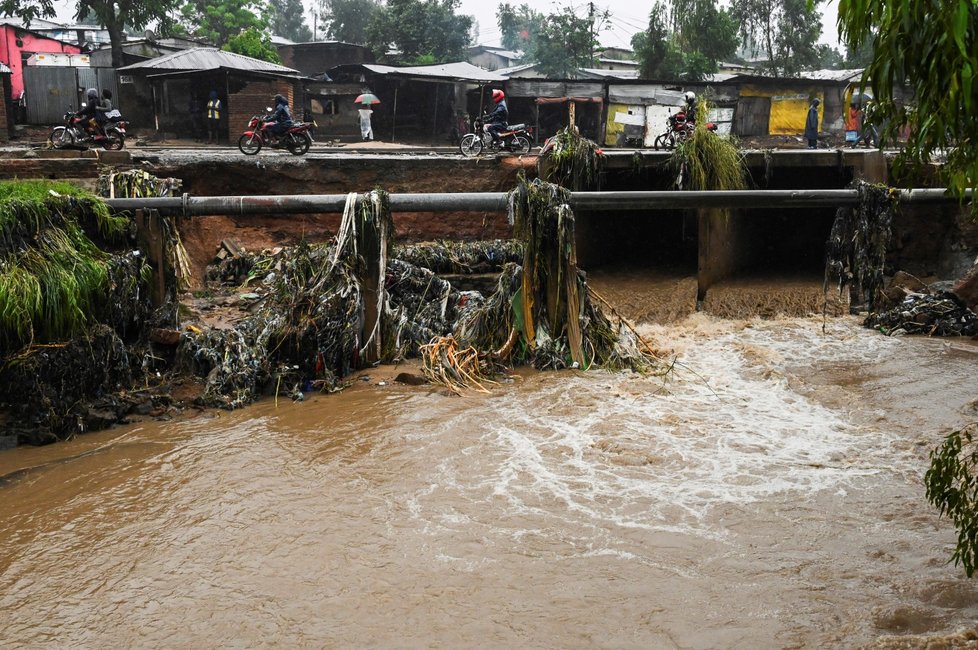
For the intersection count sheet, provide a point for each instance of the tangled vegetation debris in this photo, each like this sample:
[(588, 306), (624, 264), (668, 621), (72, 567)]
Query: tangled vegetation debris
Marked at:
[(462, 257), (541, 312), (855, 253), (708, 161), (571, 160), (67, 302), (941, 314)]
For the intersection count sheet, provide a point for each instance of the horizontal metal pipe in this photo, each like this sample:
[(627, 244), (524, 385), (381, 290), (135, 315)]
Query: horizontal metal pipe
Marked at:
[(496, 201)]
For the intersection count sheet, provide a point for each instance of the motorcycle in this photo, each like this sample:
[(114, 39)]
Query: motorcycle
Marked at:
[(75, 132), (515, 138), (678, 130), (297, 138)]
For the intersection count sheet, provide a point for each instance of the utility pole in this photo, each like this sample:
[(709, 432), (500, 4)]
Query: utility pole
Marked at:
[(590, 17)]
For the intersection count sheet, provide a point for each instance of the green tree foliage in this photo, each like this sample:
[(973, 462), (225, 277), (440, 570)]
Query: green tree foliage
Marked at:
[(952, 487), (287, 19), (421, 30), (830, 58), (931, 48), (787, 31), (566, 42), (708, 35), (216, 21), (349, 20), (254, 43), (518, 26), (651, 46), (113, 15)]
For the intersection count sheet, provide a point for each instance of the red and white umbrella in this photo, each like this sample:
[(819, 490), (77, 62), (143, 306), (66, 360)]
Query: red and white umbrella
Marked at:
[(367, 98)]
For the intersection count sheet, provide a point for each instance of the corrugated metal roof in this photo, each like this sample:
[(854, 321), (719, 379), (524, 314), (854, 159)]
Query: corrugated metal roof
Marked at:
[(207, 58), (510, 71), (460, 71), (612, 74), (4, 69), (831, 75)]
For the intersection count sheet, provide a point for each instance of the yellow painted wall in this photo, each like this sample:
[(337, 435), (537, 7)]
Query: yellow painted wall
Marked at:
[(789, 108), (613, 128)]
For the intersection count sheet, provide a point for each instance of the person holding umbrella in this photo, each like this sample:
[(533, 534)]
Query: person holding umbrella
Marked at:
[(366, 100)]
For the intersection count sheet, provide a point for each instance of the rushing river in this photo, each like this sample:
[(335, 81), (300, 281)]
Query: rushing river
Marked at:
[(766, 494)]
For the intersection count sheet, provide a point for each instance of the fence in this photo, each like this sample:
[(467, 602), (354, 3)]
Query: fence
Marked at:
[(51, 90)]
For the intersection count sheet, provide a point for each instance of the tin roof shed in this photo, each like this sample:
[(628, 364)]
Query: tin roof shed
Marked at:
[(206, 58)]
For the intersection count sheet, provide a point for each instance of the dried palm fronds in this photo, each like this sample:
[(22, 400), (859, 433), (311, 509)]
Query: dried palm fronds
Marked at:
[(442, 362)]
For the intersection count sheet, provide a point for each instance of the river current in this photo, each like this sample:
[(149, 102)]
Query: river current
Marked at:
[(767, 493)]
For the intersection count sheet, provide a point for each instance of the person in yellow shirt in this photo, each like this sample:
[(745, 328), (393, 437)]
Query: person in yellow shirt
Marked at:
[(214, 108)]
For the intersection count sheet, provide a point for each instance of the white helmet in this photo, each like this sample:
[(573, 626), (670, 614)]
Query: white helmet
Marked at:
[(689, 96)]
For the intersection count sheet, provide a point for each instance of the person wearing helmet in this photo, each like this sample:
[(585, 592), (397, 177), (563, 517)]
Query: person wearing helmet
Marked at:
[(497, 120), (88, 109), (690, 108), (281, 116)]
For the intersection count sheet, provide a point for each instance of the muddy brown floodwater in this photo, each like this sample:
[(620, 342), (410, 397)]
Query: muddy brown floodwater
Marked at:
[(766, 495)]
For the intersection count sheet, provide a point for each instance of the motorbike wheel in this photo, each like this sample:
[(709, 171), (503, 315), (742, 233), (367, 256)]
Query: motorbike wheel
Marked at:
[(250, 144), (470, 145), (664, 141), (298, 143), (114, 141), (520, 145), (61, 137)]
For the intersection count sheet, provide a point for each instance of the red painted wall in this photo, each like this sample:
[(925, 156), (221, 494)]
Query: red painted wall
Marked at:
[(13, 54)]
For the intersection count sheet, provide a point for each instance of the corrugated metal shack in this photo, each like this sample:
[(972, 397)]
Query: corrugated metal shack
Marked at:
[(156, 94), (545, 104), (418, 102)]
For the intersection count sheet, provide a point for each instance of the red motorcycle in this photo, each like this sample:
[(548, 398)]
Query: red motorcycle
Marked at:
[(678, 130), (297, 138), (76, 133)]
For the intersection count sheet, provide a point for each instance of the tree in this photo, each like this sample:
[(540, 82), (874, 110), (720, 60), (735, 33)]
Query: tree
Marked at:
[(115, 16), (517, 25), (651, 46), (708, 36), (254, 43), (287, 19), (930, 49), (422, 30), (566, 42), (216, 21), (348, 20), (786, 30)]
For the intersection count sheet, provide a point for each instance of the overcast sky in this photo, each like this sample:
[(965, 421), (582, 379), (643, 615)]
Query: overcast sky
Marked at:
[(627, 17)]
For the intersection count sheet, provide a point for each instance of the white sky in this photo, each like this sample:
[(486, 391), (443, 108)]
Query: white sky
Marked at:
[(627, 17)]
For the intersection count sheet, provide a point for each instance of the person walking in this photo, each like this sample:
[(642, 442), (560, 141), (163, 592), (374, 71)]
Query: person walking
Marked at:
[(366, 131), (214, 108), (811, 124)]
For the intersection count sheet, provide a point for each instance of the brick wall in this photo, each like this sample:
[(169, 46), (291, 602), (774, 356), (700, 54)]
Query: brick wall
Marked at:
[(253, 99)]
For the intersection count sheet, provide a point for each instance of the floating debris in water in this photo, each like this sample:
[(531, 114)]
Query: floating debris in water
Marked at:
[(940, 314)]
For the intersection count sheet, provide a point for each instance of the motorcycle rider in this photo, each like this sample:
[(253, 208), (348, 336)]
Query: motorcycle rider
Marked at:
[(497, 120), (103, 108), (88, 112), (690, 106), (281, 117)]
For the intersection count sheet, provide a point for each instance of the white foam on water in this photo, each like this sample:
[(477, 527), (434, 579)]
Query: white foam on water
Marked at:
[(613, 449)]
